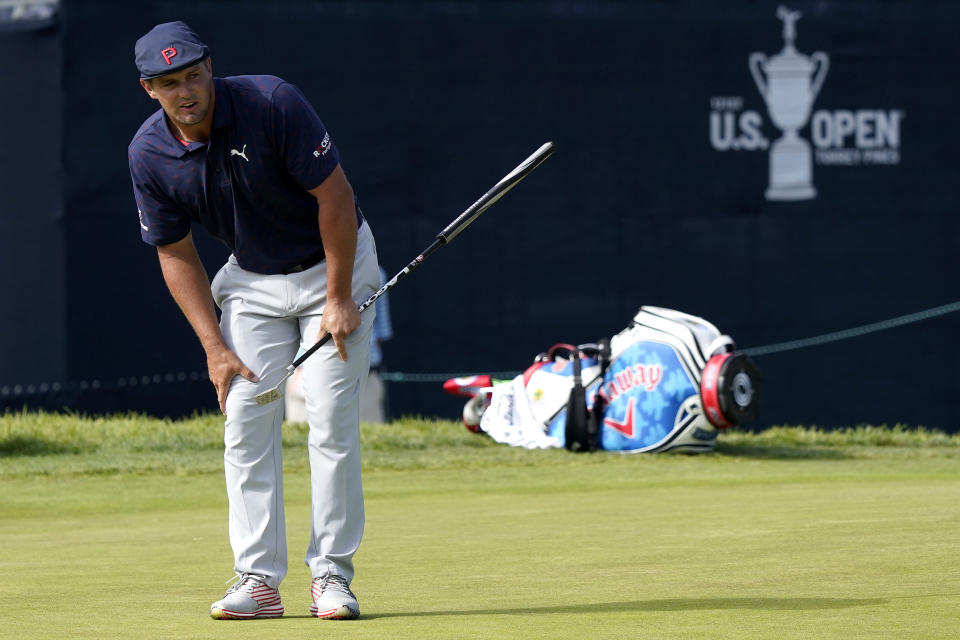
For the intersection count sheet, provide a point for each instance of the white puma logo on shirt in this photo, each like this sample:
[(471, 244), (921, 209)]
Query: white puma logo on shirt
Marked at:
[(234, 152)]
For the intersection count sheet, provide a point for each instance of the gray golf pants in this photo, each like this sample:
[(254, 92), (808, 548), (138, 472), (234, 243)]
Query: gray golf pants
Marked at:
[(265, 318)]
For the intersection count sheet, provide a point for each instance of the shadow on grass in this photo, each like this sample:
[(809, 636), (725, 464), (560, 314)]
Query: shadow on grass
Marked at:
[(30, 446), (669, 604), (780, 451)]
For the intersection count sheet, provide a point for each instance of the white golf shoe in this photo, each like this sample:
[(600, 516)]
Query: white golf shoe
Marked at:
[(249, 597), (332, 599)]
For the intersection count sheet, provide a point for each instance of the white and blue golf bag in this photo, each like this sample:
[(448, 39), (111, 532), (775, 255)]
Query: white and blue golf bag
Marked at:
[(668, 381)]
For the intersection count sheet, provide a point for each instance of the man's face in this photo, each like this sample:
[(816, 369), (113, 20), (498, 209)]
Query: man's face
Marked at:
[(185, 95)]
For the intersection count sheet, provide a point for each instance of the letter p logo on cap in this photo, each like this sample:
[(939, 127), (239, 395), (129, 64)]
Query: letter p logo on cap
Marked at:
[(168, 54)]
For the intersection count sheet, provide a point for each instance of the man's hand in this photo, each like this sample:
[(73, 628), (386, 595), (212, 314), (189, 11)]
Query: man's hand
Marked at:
[(223, 366), (340, 319)]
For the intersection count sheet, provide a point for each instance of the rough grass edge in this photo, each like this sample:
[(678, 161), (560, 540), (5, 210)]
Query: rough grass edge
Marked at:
[(57, 444), (898, 435)]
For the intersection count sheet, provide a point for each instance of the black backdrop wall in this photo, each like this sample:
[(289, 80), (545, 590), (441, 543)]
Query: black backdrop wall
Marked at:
[(666, 189)]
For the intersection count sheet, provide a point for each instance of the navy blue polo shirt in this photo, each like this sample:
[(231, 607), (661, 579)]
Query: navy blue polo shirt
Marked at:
[(248, 185)]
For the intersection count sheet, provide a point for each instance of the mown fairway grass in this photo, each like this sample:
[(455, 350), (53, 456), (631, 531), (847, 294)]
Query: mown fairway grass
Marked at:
[(116, 528)]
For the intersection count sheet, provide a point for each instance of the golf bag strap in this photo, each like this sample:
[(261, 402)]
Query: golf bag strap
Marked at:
[(582, 424)]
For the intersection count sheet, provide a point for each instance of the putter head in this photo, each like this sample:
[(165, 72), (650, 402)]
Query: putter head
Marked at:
[(273, 394), (268, 396)]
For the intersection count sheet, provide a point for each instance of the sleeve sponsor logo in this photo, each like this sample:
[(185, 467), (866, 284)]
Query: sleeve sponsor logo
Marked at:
[(323, 147)]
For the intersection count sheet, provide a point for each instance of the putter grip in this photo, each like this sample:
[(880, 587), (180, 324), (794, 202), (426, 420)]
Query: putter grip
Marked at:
[(506, 183), (309, 352)]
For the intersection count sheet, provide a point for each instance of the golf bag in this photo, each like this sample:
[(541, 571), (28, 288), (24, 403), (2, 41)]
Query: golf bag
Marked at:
[(668, 381)]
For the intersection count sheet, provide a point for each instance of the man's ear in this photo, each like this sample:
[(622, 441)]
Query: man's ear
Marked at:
[(148, 87)]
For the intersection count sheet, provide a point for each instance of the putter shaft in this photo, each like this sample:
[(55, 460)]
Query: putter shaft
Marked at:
[(445, 236), (274, 394)]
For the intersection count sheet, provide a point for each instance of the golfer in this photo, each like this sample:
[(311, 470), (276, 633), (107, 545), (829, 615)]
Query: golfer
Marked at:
[(247, 158)]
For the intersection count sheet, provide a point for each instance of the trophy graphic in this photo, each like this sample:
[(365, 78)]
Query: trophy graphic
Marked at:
[(788, 85)]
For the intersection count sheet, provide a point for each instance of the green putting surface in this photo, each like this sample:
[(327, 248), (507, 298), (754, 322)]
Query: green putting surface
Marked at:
[(790, 534)]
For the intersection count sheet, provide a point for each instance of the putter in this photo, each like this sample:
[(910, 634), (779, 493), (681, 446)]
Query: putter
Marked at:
[(449, 233)]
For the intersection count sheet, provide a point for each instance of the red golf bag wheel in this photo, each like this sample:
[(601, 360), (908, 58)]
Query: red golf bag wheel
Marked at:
[(731, 388), (474, 408)]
